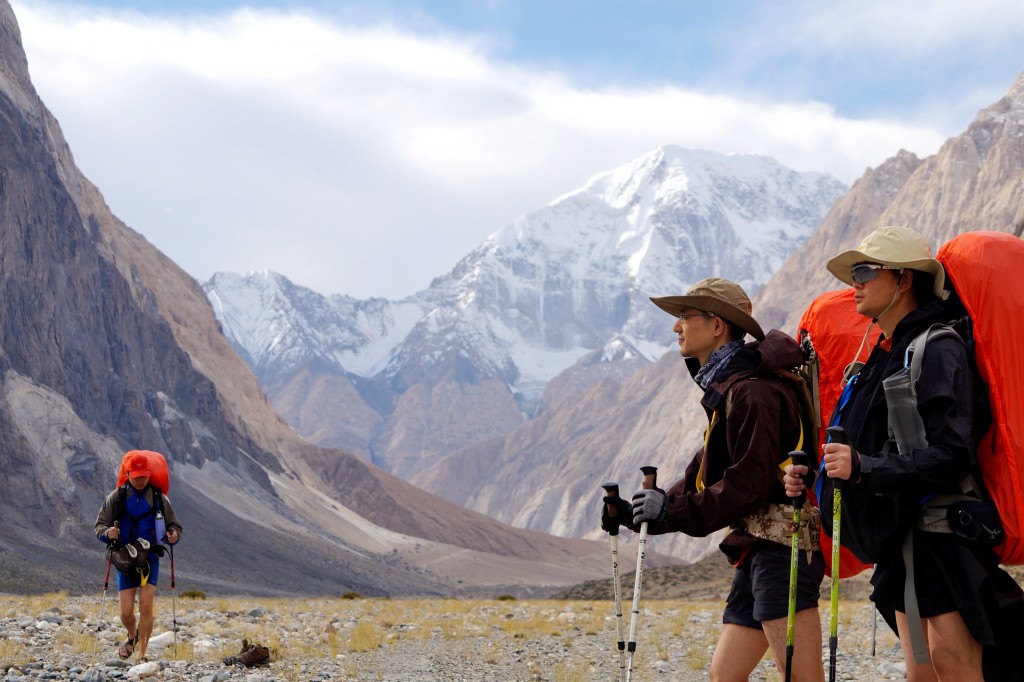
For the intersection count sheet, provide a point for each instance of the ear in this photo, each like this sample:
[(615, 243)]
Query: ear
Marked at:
[(906, 280), (721, 328)]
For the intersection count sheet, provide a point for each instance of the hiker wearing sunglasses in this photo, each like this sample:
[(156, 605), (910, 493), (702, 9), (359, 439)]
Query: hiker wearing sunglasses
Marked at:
[(129, 516), (944, 614), (734, 481)]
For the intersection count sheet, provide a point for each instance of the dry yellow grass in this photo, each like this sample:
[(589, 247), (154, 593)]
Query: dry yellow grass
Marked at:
[(353, 633)]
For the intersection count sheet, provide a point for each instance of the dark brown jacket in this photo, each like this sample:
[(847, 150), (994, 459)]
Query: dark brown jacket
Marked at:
[(745, 446)]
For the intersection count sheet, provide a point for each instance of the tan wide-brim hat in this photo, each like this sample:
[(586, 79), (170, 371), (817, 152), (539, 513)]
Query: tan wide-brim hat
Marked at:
[(893, 245), (719, 296)]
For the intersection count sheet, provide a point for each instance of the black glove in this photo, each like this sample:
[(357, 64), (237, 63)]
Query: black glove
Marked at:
[(610, 524), (649, 505)]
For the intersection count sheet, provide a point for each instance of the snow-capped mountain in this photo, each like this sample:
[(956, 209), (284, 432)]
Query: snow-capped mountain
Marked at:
[(562, 289)]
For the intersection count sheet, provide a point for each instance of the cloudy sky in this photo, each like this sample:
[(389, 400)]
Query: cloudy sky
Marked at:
[(364, 147)]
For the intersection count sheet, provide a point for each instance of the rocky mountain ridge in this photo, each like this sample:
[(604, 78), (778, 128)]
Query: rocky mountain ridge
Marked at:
[(106, 345)]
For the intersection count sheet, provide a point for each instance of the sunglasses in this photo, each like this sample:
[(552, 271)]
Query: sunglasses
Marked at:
[(686, 316), (863, 273)]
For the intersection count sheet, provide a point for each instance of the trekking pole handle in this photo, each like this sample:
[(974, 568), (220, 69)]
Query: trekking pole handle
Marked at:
[(837, 434), (611, 490), (799, 458), (650, 477)]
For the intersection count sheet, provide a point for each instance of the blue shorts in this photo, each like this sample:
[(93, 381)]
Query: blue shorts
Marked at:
[(760, 588), (126, 581)]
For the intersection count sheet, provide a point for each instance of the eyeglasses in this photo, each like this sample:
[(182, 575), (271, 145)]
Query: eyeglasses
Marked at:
[(863, 273), (686, 316)]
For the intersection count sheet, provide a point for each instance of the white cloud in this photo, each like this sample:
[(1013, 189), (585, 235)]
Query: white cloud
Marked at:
[(367, 160), (910, 27)]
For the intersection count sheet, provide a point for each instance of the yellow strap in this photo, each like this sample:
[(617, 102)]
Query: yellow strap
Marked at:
[(704, 454), (789, 460)]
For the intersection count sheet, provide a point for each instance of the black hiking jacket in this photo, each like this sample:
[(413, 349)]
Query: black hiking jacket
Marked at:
[(880, 506)]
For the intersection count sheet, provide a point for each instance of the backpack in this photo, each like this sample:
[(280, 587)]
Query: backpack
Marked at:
[(159, 481), (159, 477), (831, 334), (984, 269)]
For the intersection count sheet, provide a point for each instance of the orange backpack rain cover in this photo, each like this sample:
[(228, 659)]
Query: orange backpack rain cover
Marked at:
[(158, 475), (985, 269), (836, 331)]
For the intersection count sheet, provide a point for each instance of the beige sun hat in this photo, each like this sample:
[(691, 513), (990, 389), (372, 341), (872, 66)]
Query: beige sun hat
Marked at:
[(719, 296), (892, 245)]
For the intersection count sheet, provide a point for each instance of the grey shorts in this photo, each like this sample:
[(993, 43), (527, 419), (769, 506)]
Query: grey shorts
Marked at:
[(760, 588)]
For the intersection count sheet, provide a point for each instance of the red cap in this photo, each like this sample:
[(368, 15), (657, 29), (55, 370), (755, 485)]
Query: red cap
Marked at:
[(138, 465)]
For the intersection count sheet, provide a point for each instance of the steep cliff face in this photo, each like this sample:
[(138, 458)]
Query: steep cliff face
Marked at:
[(106, 345), (552, 467)]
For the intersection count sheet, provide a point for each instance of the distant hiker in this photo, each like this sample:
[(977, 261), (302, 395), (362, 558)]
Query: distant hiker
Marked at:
[(734, 480), (896, 484), (129, 517)]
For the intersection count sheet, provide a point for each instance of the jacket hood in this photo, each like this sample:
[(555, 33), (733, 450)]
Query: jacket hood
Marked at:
[(778, 350)]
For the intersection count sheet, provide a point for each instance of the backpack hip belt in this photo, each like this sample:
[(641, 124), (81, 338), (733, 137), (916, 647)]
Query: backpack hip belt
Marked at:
[(934, 516), (966, 516), (774, 522)]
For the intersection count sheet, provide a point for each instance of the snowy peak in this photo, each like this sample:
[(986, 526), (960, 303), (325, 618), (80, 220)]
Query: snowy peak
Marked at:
[(564, 288), (556, 284), (575, 273), (276, 325)]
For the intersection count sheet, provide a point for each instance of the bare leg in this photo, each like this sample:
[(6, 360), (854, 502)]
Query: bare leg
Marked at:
[(737, 653), (147, 593), (807, 661), (126, 602), (955, 654)]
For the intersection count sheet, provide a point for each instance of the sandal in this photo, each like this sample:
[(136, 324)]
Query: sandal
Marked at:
[(127, 649)]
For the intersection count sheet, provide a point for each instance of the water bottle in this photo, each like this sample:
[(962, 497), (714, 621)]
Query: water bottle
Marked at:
[(904, 419)]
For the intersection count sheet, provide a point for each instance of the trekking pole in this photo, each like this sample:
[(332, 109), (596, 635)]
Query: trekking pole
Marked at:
[(174, 603), (799, 458), (103, 603), (837, 434), (650, 481), (874, 629), (612, 490)]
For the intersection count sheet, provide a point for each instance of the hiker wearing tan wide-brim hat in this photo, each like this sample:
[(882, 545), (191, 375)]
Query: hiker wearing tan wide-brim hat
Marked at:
[(911, 426), (892, 246), (717, 296), (732, 483)]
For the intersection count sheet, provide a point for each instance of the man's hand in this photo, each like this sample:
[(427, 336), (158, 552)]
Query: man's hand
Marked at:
[(624, 511), (841, 461), (172, 536), (793, 479), (648, 505), (114, 533)]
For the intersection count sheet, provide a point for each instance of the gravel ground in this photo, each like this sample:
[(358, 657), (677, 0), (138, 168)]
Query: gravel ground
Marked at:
[(56, 637)]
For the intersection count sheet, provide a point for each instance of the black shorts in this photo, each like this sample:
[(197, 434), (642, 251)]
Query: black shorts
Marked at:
[(760, 588)]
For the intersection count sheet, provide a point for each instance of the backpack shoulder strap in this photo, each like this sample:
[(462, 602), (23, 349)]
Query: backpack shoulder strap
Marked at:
[(915, 351), (119, 498)]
